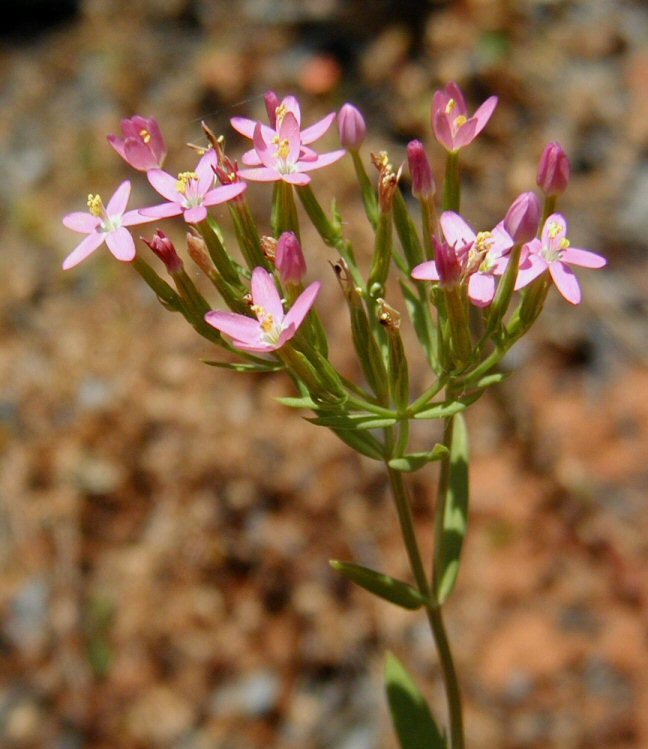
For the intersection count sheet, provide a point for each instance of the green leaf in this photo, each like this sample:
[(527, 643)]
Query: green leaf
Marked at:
[(419, 313), (441, 410), (411, 716), (414, 461), (383, 586), (492, 379), (354, 421), (305, 402), (362, 442), (455, 516), (241, 367)]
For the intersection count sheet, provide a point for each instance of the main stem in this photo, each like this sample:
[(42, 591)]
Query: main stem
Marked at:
[(453, 693)]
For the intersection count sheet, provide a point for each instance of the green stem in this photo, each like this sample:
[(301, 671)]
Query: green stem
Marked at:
[(451, 185), (369, 197), (548, 208)]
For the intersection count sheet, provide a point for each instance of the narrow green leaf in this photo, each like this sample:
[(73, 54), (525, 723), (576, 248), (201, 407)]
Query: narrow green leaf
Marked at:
[(411, 716), (354, 421), (441, 410), (383, 586), (362, 442), (455, 517), (305, 402), (414, 461), (419, 313), (492, 379)]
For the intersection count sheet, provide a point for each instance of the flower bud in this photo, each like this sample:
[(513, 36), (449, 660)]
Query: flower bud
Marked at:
[(289, 259), (522, 218), (271, 103), (554, 170), (422, 180), (447, 264), (351, 126), (163, 247)]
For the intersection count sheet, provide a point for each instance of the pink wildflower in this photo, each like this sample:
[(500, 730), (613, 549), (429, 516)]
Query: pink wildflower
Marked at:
[(289, 259), (277, 111), (282, 156), (164, 248), (104, 224), (481, 256), (452, 126), (553, 252), (191, 192), (142, 146), (522, 218), (446, 268), (272, 327)]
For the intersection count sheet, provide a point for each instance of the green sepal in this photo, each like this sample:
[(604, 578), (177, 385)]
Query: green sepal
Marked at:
[(413, 722), (414, 461), (455, 515), (383, 586)]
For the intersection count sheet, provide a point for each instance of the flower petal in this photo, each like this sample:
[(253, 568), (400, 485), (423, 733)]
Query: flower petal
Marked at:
[(584, 258), (465, 134), (315, 131), (532, 267), (456, 231), (502, 241), (553, 232), (224, 193), (322, 160), (296, 178), (251, 158), (139, 155), (117, 143), (265, 294), (481, 289), (80, 221), (443, 131), (243, 125), (83, 249), (296, 314), (117, 204), (165, 184), (289, 131), (566, 282), (133, 218), (452, 91), (195, 215), (205, 171), (262, 174), (484, 113), (121, 244), (164, 210), (243, 328), (426, 271), (262, 146)]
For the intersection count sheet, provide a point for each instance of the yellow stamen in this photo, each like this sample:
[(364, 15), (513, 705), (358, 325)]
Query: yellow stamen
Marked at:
[(95, 205), (484, 241), (461, 120), (183, 181), (564, 243), (283, 149), (450, 106), (280, 112), (554, 229), (267, 324), (145, 135)]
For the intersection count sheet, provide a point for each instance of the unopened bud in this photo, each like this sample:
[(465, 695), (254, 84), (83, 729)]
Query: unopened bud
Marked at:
[(271, 103), (197, 248), (522, 218), (269, 247), (554, 170), (447, 264), (351, 126), (289, 259), (422, 180), (163, 247)]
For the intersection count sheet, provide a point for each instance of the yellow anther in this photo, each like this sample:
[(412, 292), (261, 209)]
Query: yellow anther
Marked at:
[(283, 149), (460, 120), (280, 112), (450, 106), (484, 241), (145, 135), (267, 324), (554, 229), (95, 205), (183, 181), (564, 243)]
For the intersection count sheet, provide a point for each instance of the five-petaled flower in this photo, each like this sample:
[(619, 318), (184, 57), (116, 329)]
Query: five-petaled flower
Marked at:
[(272, 328), (482, 256), (104, 224), (452, 126), (190, 193), (553, 252), (142, 146)]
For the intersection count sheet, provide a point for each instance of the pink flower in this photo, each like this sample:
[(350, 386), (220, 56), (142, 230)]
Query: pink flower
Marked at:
[(423, 185), (289, 259), (553, 251), (522, 218), (481, 256), (164, 248), (191, 192), (446, 268), (277, 111), (452, 126), (282, 156), (272, 328), (104, 224), (142, 146)]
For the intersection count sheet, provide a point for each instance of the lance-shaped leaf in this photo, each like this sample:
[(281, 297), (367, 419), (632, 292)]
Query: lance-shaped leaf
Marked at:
[(354, 421), (411, 716), (383, 586), (304, 402), (363, 442), (441, 410), (455, 516), (414, 461)]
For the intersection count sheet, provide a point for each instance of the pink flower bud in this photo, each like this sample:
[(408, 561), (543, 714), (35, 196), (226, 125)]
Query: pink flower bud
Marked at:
[(142, 146), (422, 180), (447, 264), (289, 259), (351, 126), (522, 218), (163, 247), (271, 103), (554, 170)]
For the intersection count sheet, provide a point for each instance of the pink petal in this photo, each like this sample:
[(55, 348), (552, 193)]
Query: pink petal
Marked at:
[(121, 244), (82, 222), (243, 328), (165, 184), (481, 289), (262, 174), (289, 131), (484, 113), (312, 133), (566, 282), (263, 147), (324, 159), (439, 102), (292, 107), (307, 154), (116, 143), (139, 155), (465, 134), (259, 346), (426, 271), (133, 218), (117, 204), (501, 240), (205, 171), (164, 210), (296, 178), (553, 243), (243, 125), (82, 250), (584, 258), (265, 294), (456, 231), (443, 131), (195, 215), (251, 158), (224, 193), (453, 91), (301, 307), (530, 269)]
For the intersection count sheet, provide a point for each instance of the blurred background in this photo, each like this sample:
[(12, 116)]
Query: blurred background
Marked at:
[(165, 528)]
